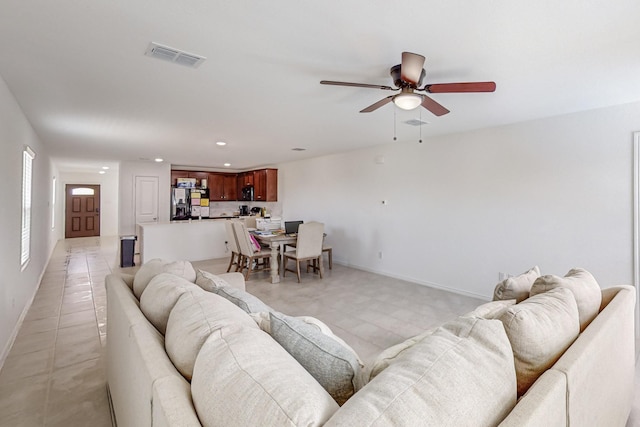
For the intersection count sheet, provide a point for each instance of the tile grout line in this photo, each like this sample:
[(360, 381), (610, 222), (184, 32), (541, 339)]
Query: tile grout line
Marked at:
[(55, 342)]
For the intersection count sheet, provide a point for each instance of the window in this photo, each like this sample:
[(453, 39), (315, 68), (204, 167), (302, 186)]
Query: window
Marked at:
[(82, 191), (27, 174)]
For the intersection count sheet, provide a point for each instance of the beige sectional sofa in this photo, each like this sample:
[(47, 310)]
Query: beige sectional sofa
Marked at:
[(187, 348)]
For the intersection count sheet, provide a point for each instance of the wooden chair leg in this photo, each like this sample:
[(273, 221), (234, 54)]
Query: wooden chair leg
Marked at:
[(298, 266), (249, 267), (330, 251)]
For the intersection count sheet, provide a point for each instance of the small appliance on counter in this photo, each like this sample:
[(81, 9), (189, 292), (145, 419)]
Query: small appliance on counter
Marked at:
[(244, 210), (256, 210)]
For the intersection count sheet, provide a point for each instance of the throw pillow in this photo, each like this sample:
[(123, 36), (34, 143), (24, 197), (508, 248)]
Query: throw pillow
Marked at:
[(516, 287), (242, 299), (460, 375), (585, 289), (195, 316), (160, 296), (392, 354), (243, 377), (208, 281), (335, 366), (150, 269), (540, 329), (492, 309)]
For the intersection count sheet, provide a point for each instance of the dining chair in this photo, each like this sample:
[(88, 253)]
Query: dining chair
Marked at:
[(249, 254), (236, 256), (308, 248)]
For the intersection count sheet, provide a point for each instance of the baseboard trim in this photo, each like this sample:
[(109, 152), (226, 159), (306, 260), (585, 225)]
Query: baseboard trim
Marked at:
[(414, 280)]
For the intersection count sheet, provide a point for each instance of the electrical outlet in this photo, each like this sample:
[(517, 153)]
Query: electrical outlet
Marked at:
[(379, 254)]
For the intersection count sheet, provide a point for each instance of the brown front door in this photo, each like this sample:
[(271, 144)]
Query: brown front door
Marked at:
[(82, 210)]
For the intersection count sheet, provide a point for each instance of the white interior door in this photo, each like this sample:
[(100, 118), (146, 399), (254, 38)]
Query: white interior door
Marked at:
[(146, 205)]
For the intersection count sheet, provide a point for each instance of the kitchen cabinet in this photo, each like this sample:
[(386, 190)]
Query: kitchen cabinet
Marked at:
[(265, 185), (244, 179), (223, 187), (199, 176)]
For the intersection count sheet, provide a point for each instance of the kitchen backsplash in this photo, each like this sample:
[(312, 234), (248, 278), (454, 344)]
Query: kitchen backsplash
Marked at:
[(232, 208)]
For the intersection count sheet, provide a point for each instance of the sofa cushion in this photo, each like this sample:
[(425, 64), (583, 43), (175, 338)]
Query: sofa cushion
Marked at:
[(390, 355), (329, 360), (160, 296), (516, 287), (242, 299), (460, 375), (209, 281), (150, 269), (195, 316), (540, 329), (585, 289), (242, 377), (491, 310)]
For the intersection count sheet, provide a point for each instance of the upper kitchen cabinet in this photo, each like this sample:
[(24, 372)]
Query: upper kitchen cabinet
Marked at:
[(223, 187), (199, 176), (265, 185)]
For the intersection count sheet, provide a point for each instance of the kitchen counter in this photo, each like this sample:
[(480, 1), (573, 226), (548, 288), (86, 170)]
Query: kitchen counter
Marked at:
[(183, 240)]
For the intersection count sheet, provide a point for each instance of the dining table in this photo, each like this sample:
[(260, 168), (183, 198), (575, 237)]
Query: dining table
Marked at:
[(276, 241)]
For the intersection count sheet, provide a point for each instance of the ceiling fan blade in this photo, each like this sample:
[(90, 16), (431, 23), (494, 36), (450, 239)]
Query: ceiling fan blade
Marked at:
[(411, 68), (378, 104), (330, 82), (461, 87), (433, 106)]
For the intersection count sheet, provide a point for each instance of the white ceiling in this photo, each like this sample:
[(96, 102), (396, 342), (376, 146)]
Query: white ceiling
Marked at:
[(78, 70)]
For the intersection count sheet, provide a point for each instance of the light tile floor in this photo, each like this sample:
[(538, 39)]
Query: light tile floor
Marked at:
[(54, 374)]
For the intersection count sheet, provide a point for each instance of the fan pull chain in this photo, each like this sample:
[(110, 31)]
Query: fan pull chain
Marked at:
[(394, 123)]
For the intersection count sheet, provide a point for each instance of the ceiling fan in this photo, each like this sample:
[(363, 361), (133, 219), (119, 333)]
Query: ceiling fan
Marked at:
[(407, 77)]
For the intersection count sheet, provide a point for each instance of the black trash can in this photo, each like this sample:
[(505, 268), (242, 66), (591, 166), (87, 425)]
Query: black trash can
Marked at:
[(127, 249)]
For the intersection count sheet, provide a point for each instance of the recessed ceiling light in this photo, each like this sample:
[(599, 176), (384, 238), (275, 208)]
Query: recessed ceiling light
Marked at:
[(227, 164), (102, 172), (105, 167), (158, 159), (221, 143)]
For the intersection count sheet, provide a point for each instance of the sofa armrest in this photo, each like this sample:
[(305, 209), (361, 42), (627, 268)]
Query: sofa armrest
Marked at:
[(128, 279), (544, 404), (234, 279), (600, 364)]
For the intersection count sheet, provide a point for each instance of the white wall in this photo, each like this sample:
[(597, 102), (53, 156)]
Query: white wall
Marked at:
[(108, 197), (555, 192), (17, 287), (128, 173)]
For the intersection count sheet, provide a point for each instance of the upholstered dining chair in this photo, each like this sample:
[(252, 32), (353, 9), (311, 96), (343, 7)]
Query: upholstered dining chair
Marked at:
[(236, 256), (249, 255), (308, 247)]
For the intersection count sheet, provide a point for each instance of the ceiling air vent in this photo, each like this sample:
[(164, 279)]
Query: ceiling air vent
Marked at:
[(159, 51)]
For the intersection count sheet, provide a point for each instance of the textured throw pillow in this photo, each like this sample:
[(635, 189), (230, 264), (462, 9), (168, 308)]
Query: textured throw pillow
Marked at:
[(540, 329), (208, 281), (244, 378), (492, 309), (150, 269), (161, 295), (333, 364), (242, 299), (516, 287), (392, 354), (460, 375), (195, 316), (585, 289)]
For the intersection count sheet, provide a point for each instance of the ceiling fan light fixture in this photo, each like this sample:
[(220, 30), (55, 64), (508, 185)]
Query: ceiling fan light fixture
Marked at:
[(407, 101)]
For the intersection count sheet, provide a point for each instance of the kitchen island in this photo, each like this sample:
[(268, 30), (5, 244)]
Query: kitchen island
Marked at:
[(194, 240)]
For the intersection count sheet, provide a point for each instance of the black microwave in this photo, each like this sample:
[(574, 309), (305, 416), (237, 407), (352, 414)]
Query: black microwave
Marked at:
[(247, 193)]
